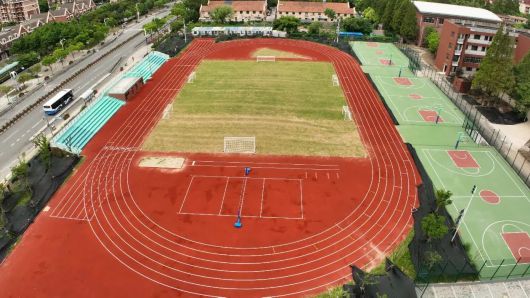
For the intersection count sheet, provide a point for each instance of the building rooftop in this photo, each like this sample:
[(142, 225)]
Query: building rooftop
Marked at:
[(456, 11), (299, 6), (124, 85), (236, 5)]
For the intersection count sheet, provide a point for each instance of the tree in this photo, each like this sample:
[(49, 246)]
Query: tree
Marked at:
[(154, 25), (28, 59), (432, 258), (288, 24), (60, 54), (272, 3), (433, 41), (176, 26), (314, 28), (35, 69), (371, 15), (386, 19), (221, 13), (45, 153), (353, 24), (443, 198), (433, 225), (522, 87), (43, 6), (3, 195), (48, 61), (22, 78), (495, 75), (330, 13), (510, 7), (399, 15), (5, 89), (409, 27)]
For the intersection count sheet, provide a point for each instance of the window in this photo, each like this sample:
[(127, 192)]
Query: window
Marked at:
[(476, 36), (450, 45), (452, 34), (428, 20), (472, 60), (440, 21), (469, 68), (490, 38), (483, 49), (247, 11), (474, 48), (254, 11)]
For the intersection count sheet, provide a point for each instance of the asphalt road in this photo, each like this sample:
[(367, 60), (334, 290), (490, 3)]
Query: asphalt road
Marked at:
[(16, 139)]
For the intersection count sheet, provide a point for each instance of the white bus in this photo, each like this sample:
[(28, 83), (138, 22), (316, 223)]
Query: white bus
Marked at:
[(59, 101)]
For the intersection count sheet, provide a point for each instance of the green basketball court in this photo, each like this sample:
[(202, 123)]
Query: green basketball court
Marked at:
[(417, 101), (376, 53), (496, 221)]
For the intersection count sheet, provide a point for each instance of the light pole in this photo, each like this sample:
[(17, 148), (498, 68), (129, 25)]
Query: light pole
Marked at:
[(137, 13), (463, 213), (105, 21), (48, 124), (62, 42)]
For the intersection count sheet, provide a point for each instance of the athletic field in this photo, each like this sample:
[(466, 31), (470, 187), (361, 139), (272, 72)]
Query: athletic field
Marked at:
[(292, 108)]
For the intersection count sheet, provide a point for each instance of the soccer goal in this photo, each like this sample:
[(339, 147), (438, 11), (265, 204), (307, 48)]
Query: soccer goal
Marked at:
[(346, 113), (239, 145), (191, 77), (265, 58), (335, 80)]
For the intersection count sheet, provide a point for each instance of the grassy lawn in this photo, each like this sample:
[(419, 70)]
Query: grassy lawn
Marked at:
[(291, 108), (401, 258)]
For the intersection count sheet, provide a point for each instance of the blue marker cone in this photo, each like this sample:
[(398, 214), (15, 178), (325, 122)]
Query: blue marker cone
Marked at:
[(238, 223)]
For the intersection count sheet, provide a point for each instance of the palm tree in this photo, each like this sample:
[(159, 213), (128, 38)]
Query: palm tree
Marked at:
[(443, 198)]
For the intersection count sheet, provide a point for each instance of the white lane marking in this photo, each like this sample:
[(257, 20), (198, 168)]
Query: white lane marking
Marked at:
[(10, 136)]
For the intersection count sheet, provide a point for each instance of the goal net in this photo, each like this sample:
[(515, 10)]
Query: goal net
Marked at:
[(335, 80), (346, 113), (239, 145), (265, 58), (191, 77)]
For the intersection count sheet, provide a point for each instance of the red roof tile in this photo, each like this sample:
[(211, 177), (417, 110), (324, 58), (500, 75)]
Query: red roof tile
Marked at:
[(298, 6), (236, 5)]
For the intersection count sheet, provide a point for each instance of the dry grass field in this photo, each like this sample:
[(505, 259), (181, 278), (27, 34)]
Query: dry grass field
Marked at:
[(291, 108)]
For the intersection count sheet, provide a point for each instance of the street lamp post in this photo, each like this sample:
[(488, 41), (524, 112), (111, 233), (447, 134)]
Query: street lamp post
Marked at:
[(62, 42), (105, 21), (137, 13)]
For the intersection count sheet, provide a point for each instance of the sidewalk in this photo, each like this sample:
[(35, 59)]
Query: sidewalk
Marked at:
[(511, 289)]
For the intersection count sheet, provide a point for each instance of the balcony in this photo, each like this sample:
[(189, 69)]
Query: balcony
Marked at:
[(458, 52), (478, 41), (460, 40), (454, 63), (476, 53)]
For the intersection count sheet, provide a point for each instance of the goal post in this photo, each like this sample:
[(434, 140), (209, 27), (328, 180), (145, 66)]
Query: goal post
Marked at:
[(335, 80), (265, 58), (191, 77), (346, 114), (239, 145)]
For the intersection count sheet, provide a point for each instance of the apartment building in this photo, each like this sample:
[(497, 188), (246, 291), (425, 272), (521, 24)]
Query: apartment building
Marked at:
[(463, 45), (17, 10), (243, 11), (313, 11), (430, 14)]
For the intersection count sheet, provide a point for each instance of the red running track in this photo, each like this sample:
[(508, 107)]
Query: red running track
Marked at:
[(115, 229)]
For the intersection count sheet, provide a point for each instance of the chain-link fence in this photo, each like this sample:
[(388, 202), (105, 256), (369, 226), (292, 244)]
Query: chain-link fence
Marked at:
[(475, 124)]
